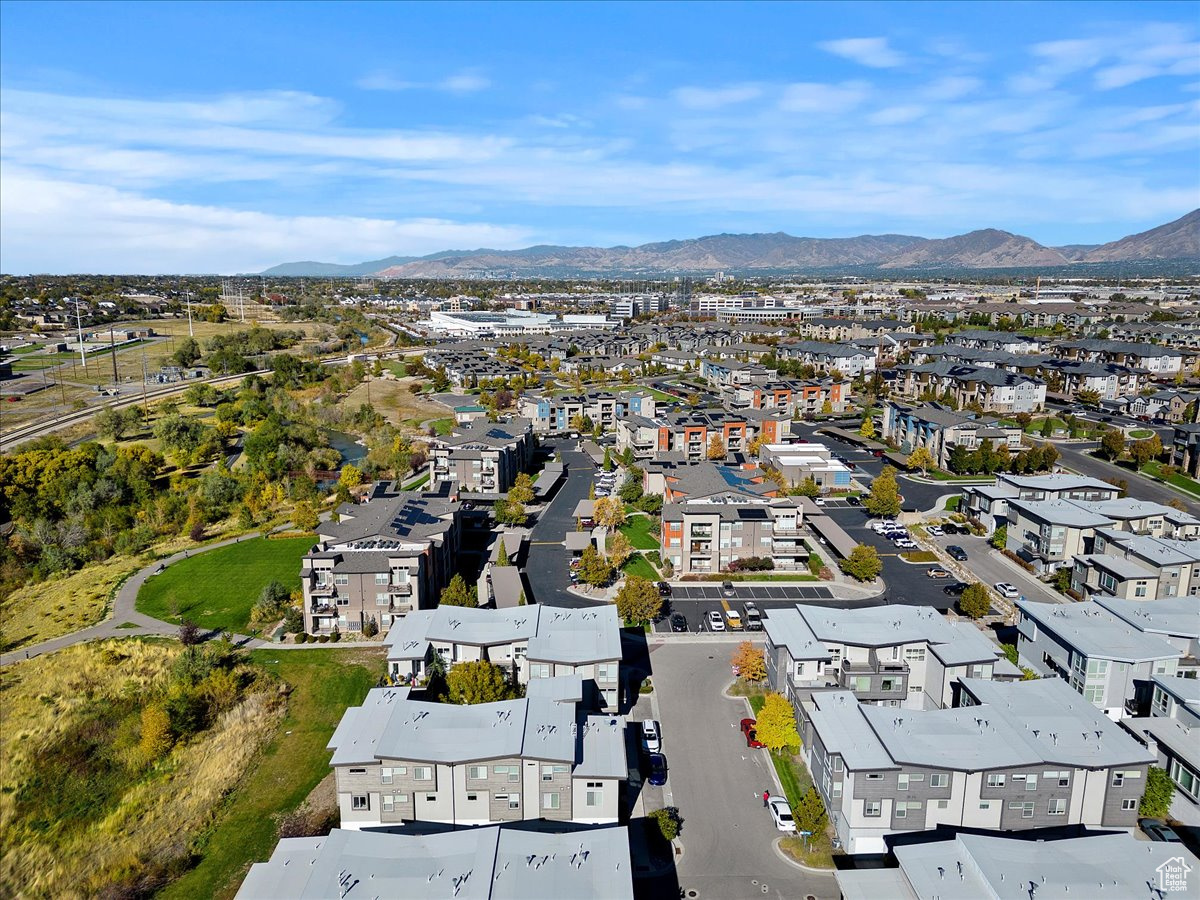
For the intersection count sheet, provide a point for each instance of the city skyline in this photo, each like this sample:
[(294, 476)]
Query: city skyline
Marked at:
[(228, 138)]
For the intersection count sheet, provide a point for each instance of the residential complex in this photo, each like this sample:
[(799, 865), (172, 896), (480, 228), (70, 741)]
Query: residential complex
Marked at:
[(482, 459), (706, 536), (566, 412), (940, 430)]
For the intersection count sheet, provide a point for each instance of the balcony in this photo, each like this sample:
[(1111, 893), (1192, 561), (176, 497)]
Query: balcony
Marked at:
[(319, 589)]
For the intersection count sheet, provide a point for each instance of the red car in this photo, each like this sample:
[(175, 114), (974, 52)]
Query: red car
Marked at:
[(749, 733)]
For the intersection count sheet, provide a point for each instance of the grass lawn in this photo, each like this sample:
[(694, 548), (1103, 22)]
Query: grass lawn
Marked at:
[(418, 481), (216, 589), (1141, 433), (938, 475), (1036, 425), (324, 683), (443, 426), (398, 369), (920, 556), (653, 392), (759, 576), (639, 565), (637, 529), (1183, 482), (952, 504)]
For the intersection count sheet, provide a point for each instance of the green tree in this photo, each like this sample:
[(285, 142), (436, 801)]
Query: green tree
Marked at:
[(975, 601), (1112, 444), (607, 465), (478, 681), (509, 512), (1145, 450), (776, 725), (921, 459), (502, 559), (960, 460), (351, 476), (111, 423), (638, 600), (456, 593), (305, 517), (609, 512), (1160, 791), (884, 498), (750, 662), (593, 569), (809, 488), (810, 814), (186, 353), (631, 488), (863, 563), (1048, 427), (1087, 397)]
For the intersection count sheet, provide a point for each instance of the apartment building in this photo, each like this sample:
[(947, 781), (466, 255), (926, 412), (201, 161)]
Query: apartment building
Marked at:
[(471, 367), (988, 503), (1105, 658), (705, 536), (530, 641), (397, 760), (1013, 756), (897, 656), (1154, 358), (382, 559), (799, 462), (728, 373), (999, 341), (1170, 405), (691, 433), (993, 389), (488, 863), (791, 398), (941, 430), (985, 865), (482, 459), (1171, 732), (1174, 619), (554, 415), (849, 360), (1185, 449), (677, 479), (1137, 566)]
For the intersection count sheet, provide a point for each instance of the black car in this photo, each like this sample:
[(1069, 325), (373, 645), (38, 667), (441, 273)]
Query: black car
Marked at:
[(853, 501), (957, 552), (679, 622), (951, 528), (956, 589), (664, 589)]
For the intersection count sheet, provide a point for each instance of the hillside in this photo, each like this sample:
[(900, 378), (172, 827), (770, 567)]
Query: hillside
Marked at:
[(1175, 240)]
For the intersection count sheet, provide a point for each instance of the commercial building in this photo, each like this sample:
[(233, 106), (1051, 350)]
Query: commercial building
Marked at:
[(799, 462)]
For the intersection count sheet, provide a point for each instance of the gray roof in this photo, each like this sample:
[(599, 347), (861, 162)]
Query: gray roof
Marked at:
[(1117, 565), (576, 636), (602, 753), (1182, 738), (1156, 551), (1062, 481), (1061, 512), (837, 717), (402, 517), (1095, 632), (1175, 616), (483, 433), (485, 863), (1186, 690)]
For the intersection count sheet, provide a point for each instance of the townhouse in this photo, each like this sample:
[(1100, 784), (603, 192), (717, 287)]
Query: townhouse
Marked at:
[(791, 398), (1103, 657), (555, 414), (1154, 358), (991, 389), (988, 504), (987, 865), (1137, 566), (470, 367), (382, 559), (691, 433), (1001, 341), (1171, 405), (1013, 756), (705, 536), (1171, 732), (800, 461), (488, 863), (850, 361), (397, 760), (529, 641), (1185, 449), (844, 329), (1174, 619), (941, 430), (897, 656), (482, 459), (732, 373)]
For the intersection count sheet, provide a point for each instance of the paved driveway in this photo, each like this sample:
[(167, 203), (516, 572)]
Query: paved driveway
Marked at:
[(547, 569), (717, 783)]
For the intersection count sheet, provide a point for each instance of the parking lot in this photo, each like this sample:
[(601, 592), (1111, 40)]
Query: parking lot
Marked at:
[(695, 602)]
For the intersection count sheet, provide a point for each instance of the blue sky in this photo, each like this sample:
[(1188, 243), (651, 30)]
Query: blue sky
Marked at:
[(225, 138)]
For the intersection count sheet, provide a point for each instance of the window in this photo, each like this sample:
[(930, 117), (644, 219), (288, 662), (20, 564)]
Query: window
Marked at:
[(900, 810), (381, 577), (548, 772), (343, 601), (943, 804), (837, 764), (595, 793), (358, 771), (341, 579), (423, 773), (1031, 783), (385, 775), (902, 782), (513, 772), (837, 789), (389, 802), (914, 654), (939, 780), (1058, 808), (360, 801), (985, 804), (539, 670), (1063, 778), (995, 781), (1185, 778), (606, 672), (514, 801), (874, 776), (472, 796), (1025, 808), (1118, 779), (872, 808), (1128, 804), (382, 600), (477, 773), (550, 801)]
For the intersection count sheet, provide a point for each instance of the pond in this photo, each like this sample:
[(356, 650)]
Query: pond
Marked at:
[(347, 446)]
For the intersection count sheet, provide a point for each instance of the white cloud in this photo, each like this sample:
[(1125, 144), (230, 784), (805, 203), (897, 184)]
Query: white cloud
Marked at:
[(951, 87), (465, 82), (873, 52), (715, 98), (813, 97), (897, 115), (1119, 58)]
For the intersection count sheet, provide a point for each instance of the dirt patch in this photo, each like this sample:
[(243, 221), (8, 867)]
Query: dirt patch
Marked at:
[(393, 400)]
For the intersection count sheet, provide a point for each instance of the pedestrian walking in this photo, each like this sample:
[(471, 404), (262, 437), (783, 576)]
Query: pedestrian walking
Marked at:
[(766, 797)]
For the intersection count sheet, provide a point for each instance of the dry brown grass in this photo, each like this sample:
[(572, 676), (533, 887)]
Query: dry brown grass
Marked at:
[(394, 401), (38, 612)]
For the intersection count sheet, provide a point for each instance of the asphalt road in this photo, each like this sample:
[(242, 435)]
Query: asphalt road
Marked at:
[(547, 569), (717, 782), (1075, 457)]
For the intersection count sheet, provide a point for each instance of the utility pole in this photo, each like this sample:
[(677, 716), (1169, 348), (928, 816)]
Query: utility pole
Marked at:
[(145, 402), (79, 332), (112, 351), (188, 295)]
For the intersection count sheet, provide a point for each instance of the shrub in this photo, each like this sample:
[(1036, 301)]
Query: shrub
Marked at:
[(1160, 791), (370, 627), (336, 636), (302, 638), (293, 621), (974, 601), (323, 639), (669, 822)]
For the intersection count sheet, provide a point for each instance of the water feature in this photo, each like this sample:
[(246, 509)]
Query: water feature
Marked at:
[(347, 446)]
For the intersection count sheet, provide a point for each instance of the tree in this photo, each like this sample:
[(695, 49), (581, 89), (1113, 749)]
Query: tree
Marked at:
[(305, 517), (884, 498), (756, 445), (609, 512), (716, 447), (999, 538), (1048, 457), (619, 549), (1048, 427), (631, 488), (111, 423), (975, 602), (776, 725), (1112, 444), (502, 559), (809, 488), (607, 465), (189, 633), (750, 662), (867, 428), (921, 459), (478, 681), (593, 569), (521, 490), (456, 593), (810, 814), (1145, 450), (1087, 397), (863, 563), (960, 459), (156, 733), (638, 600), (1160, 791), (186, 353), (509, 512), (351, 476)]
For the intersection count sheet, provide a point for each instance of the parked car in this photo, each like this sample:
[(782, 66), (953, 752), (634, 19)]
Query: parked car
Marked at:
[(679, 622), (906, 544), (957, 552), (854, 501), (651, 736), (733, 620), (1006, 590), (664, 589), (781, 813), (937, 572), (727, 589), (934, 530), (1155, 829), (878, 454), (951, 528), (753, 617), (820, 501), (658, 769), (955, 589), (715, 622), (750, 734)]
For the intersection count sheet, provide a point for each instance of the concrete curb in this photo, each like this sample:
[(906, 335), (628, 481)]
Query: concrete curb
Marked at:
[(829, 873)]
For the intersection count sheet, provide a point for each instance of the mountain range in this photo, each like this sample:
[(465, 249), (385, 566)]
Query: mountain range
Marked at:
[(988, 248)]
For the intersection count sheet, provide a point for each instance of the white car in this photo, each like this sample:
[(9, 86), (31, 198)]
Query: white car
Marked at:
[(820, 501), (715, 622), (651, 736), (935, 530), (1006, 590), (781, 813)]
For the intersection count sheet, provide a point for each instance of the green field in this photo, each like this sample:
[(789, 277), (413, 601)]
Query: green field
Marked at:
[(324, 683), (1139, 434), (639, 565), (1154, 469), (637, 529), (653, 392), (216, 589)]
